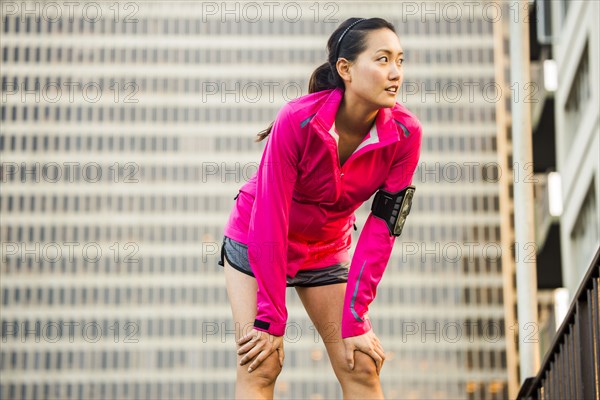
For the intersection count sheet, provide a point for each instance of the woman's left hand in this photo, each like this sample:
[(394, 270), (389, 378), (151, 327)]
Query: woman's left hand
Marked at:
[(367, 343)]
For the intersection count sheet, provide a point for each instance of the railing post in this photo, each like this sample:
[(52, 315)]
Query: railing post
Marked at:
[(580, 356), (595, 331)]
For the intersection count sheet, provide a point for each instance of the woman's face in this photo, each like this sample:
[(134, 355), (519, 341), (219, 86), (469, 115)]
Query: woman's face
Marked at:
[(376, 74)]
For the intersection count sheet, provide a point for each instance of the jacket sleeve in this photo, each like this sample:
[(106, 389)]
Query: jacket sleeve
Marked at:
[(375, 244), (268, 228)]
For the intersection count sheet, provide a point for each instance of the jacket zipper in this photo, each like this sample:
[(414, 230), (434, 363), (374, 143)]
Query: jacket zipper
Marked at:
[(340, 171), (371, 147), (339, 163)]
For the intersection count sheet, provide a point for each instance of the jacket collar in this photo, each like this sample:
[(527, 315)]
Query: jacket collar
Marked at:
[(386, 129)]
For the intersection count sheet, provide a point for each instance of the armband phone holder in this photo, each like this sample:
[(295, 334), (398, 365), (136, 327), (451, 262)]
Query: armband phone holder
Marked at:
[(393, 208)]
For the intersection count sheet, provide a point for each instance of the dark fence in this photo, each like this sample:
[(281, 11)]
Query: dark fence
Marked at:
[(570, 369)]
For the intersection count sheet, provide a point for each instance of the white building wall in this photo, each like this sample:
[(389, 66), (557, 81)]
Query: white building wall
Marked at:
[(182, 157), (578, 147)]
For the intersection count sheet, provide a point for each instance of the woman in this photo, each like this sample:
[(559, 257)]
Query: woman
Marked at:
[(327, 153)]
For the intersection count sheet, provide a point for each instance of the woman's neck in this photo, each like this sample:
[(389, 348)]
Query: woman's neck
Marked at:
[(354, 117)]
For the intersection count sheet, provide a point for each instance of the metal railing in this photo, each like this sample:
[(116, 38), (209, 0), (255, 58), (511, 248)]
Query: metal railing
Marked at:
[(571, 367)]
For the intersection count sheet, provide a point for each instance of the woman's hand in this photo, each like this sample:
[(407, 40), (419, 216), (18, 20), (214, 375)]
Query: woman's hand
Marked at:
[(262, 344), (367, 343)]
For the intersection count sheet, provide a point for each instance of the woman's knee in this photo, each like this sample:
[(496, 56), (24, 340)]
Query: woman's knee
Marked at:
[(364, 371), (264, 375)]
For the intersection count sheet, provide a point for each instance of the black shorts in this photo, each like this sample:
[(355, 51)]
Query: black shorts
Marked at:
[(236, 254)]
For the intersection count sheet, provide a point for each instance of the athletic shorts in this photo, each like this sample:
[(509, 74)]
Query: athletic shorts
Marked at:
[(236, 254)]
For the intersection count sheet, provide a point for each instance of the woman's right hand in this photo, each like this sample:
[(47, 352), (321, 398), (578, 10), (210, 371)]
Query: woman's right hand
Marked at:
[(262, 344)]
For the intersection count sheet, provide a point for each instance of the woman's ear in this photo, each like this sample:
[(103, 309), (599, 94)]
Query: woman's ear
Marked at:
[(343, 68)]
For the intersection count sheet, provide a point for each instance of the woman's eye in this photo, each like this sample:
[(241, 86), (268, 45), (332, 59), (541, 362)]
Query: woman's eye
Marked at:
[(383, 57), (401, 61)]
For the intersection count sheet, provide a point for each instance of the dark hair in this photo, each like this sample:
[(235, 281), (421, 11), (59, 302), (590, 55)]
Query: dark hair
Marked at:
[(354, 42)]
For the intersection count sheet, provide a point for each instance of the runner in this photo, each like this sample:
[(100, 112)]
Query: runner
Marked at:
[(326, 153)]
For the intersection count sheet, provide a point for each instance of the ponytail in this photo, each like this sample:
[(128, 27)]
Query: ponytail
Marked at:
[(264, 133), (321, 79)]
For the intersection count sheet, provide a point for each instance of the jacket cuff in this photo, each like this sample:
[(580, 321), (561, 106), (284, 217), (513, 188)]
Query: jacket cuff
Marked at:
[(272, 328), (356, 328)]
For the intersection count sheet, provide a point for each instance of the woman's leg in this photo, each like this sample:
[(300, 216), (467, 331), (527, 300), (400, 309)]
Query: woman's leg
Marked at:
[(260, 383), (324, 307)]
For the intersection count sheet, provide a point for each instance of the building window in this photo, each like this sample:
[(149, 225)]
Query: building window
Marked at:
[(579, 95), (585, 234)]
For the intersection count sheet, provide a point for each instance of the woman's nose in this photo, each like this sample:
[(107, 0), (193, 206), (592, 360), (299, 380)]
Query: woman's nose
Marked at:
[(394, 72)]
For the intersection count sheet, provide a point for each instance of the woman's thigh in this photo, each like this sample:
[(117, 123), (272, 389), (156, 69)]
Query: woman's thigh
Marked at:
[(241, 290), (324, 306)]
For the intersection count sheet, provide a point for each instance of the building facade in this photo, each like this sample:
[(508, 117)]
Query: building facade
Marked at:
[(126, 131), (576, 51)]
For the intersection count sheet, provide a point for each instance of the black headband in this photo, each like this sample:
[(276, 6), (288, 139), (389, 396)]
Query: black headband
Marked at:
[(337, 49)]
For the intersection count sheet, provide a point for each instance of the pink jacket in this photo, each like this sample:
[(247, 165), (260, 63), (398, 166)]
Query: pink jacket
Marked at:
[(297, 210)]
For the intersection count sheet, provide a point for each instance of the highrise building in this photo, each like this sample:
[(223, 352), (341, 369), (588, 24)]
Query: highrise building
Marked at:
[(566, 142), (127, 129), (575, 51)]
